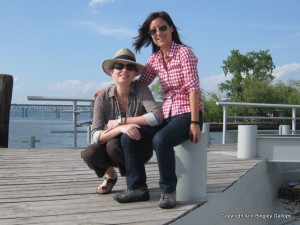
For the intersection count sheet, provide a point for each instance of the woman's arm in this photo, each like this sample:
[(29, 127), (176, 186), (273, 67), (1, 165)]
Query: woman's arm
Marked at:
[(130, 129), (145, 99), (195, 132)]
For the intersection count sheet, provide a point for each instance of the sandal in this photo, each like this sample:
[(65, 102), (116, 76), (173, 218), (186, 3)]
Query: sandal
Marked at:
[(106, 189)]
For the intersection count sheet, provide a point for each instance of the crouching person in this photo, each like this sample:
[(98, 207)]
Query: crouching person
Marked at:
[(126, 117)]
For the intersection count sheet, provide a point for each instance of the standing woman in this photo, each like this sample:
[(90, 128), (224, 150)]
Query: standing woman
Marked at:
[(176, 66)]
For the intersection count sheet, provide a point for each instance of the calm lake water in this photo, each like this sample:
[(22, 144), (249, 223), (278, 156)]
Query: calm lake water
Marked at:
[(40, 124)]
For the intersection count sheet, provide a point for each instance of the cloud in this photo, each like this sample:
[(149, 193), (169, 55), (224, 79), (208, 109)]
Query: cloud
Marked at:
[(17, 85), (287, 71), (77, 88), (108, 31), (210, 83), (282, 73), (94, 3)]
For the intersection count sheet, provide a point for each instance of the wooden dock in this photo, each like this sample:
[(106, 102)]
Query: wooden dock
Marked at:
[(54, 186)]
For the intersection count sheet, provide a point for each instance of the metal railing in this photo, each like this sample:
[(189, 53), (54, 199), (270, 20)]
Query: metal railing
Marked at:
[(75, 112), (261, 105)]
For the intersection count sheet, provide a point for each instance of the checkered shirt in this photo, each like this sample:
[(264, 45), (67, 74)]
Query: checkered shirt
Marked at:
[(177, 81)]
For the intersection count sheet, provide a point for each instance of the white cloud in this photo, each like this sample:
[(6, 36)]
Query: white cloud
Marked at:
[(77, 88), (99, 2), (210, 83), (108, 31), (287, 71), (282, 73), (17, 85)]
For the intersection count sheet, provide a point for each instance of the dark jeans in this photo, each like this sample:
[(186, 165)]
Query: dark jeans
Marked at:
[(134, 157), (125, 153), (174, 131)]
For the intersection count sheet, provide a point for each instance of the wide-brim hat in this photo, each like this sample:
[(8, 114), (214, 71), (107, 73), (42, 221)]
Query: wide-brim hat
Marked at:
[(122, 55)]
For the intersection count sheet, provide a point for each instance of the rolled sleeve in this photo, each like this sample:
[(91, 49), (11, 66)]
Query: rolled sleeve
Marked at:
[(151, 119)]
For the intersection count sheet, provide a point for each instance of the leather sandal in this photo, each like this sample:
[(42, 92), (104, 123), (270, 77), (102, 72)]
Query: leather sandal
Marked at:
[(106, 189)]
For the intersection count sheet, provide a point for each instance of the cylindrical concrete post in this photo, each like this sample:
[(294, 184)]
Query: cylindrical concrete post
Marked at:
[(191, 167), (284, 130), (247, 138)]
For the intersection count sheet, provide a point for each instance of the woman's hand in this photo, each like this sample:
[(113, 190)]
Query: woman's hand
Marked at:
[(131, 130), (96, 93), (195, 133), (112, 124)]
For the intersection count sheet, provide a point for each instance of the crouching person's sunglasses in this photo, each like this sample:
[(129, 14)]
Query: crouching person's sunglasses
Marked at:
[(120, 66)]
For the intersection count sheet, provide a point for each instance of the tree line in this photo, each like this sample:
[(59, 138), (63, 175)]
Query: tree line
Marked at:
[(251, 81)]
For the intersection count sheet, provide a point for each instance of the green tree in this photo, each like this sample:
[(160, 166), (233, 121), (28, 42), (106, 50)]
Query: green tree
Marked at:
[(212, 112), (243, 68), (157, 90)]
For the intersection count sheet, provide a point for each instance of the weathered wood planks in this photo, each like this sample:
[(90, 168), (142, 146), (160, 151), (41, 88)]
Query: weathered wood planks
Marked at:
[(54, 186)]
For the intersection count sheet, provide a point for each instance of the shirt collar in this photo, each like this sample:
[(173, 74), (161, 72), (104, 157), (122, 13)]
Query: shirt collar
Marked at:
[(170, 52), (111, 91)]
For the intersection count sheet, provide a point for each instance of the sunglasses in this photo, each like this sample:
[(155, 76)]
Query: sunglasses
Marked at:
[(120, 66), (161, 29)]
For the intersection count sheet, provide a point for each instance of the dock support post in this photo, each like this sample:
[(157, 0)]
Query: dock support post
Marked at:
[(31, 142), (6, 87), (246, 147), (191, 167)]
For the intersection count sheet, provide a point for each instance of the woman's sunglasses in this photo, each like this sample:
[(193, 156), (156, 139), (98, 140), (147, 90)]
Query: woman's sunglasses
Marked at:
[(120, 66), (161, 29)]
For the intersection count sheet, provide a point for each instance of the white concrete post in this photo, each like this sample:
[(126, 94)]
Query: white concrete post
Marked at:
[(247, 135), (191, 167), (284, 130)]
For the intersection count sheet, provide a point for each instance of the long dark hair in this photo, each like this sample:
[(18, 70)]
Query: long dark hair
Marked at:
[(144, 39)]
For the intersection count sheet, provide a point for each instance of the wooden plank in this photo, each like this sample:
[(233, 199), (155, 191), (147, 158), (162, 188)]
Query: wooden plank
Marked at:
[(54, 186)]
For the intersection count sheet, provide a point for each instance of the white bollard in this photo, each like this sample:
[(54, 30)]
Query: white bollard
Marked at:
[(191, 167), (284, 130), (247, 138)]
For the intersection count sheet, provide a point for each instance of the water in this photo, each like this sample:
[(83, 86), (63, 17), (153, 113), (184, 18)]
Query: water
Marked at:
[(40, 123)]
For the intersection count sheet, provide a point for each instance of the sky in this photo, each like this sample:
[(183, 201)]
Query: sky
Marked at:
[(56, 47)]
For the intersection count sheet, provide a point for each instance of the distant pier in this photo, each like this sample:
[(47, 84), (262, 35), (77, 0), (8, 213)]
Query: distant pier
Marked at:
[(57, 109)]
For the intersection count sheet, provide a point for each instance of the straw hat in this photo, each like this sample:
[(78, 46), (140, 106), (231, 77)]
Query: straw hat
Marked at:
[(123, 55)]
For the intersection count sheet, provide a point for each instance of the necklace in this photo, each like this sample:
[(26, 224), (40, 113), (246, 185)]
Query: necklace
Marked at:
[(123, 104)]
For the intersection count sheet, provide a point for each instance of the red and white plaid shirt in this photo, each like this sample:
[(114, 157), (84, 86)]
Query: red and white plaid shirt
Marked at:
[(180, 78)]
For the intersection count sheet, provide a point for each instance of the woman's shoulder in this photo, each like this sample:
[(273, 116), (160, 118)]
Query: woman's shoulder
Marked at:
[(139, 85), (105, 93), (183, 48), (185, 51)]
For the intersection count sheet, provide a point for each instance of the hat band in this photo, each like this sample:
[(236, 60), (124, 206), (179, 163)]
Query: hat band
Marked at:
[(126, 57)]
